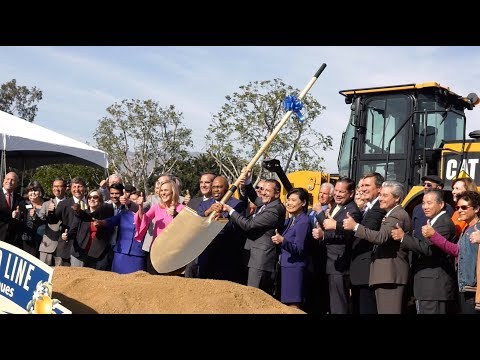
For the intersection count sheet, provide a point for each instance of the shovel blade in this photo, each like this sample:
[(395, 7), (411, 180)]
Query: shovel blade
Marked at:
[(183, 240)]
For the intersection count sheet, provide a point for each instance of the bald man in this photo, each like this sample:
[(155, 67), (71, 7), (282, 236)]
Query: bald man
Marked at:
[(222, 259), (12, 208)]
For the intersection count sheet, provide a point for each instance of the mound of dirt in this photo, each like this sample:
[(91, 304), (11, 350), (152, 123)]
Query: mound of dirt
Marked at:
[(89, 291)]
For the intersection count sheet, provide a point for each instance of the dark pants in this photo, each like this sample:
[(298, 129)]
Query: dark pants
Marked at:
[(363, 298), (191, 271), (467, 303), (261, 279), (338, 290), (433, 307)]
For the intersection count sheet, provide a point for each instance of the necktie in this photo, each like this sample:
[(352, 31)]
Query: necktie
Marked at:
[(259, 210), (337, 209), (9, 204), (82, 205)]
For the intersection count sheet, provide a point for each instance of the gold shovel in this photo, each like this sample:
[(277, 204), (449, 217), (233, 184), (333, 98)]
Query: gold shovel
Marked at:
[(189, 234)]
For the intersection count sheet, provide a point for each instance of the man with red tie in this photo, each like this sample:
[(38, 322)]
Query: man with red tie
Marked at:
[(11, 208)]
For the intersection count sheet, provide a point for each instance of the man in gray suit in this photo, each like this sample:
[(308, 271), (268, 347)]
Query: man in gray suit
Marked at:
[(389, 268), (52, 231), (259, 229), (434, 280)]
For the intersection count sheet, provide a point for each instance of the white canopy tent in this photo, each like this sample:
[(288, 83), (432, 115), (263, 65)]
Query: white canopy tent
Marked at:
[(25, 145)]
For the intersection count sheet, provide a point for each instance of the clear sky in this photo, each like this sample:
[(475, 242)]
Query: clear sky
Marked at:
[(79, 83)]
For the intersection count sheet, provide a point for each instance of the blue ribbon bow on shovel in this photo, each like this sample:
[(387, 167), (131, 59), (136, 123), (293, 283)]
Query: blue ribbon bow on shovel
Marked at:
[(292, 103)]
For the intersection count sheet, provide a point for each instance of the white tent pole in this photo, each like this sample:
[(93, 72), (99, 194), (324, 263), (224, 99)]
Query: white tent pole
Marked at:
[(3, 168), (23, 173)]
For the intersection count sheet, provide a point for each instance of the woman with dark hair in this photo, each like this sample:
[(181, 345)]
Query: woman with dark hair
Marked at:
[(128, 255), (466, 249), (294, 242), (33, 226), (91, 245), (459, 186)]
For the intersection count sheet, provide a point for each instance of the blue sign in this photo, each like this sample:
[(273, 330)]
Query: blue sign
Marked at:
[(23, 282)]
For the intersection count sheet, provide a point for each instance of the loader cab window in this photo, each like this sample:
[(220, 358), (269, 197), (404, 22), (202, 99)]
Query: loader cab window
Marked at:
[(345, 155), (383, 118), (434, 127), (385, 135)]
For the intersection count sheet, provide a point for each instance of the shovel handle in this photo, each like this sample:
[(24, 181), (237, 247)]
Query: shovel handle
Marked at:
[(269, 140)]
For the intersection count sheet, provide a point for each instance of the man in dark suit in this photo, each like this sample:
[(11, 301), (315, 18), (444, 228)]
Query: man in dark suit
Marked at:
[(434, 271), (430, 182), (259, 229), (363, 296), (63, 211), (206, 180), (11, 210), (339, 244), (316, 302), (222, 259)]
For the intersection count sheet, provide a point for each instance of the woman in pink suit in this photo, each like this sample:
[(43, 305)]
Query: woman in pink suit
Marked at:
[(161, 214)]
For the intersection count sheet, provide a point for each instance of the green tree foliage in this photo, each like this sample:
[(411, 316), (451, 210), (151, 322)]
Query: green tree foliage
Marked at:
[(19, 100), (45, 175), (190, 169), (249, 117), (141, 137)]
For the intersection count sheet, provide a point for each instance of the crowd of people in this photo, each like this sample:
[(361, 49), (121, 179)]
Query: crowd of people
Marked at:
[(355, 251)]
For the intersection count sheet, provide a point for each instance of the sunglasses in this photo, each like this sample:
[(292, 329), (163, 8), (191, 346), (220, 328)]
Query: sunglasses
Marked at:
[(258, 187), (94, 197), (463, 207), (427, 184)]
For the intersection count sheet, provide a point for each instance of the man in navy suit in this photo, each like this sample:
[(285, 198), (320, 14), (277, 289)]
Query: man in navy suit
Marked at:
[(222, 259), (339, 244)]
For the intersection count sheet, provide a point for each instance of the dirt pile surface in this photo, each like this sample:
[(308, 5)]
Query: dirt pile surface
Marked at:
[(89, 291)]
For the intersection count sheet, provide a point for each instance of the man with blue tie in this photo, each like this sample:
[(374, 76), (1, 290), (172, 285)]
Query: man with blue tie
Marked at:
[(316, 302), (325, 201)]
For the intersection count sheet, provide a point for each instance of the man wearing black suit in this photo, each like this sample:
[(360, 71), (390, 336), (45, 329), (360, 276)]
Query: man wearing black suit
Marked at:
[(259, 229), (206, 180), (363, 296), (9, 203), (65, 213), (434, 271), (339, 244)]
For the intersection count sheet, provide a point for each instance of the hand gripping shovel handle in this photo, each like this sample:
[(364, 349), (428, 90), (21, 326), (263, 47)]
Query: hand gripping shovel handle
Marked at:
[(267, 143)]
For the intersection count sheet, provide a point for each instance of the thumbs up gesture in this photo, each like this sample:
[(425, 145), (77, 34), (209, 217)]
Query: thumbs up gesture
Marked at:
[(65, 235), (16, 213), (427, 230), (187, 197), (277, 238), (349, 223), (124, 200), (329, 223), (475, 236), (317, 232), (51, 206), (397, 233), (171, 210)]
